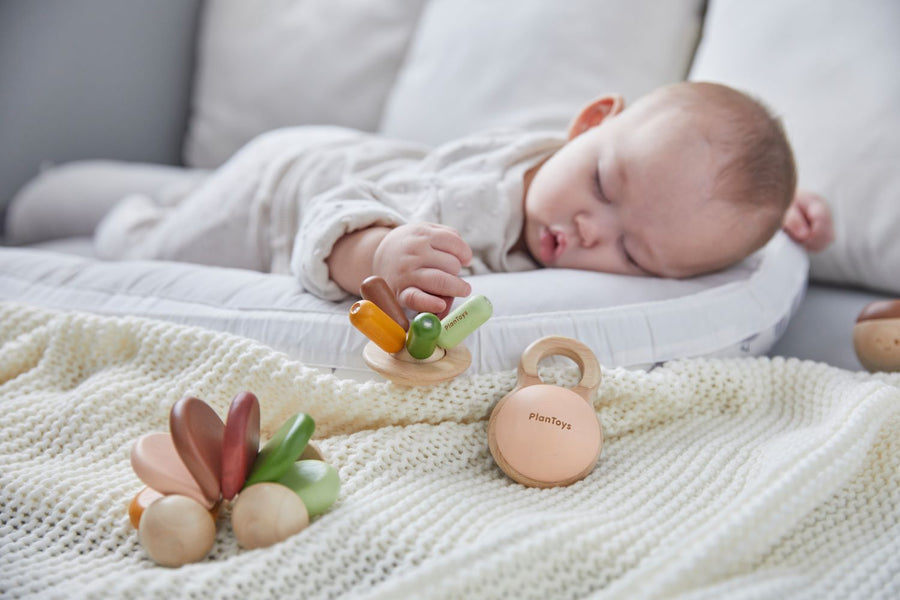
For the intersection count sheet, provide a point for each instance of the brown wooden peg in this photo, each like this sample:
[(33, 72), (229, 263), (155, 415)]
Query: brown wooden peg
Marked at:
[(377, 291)]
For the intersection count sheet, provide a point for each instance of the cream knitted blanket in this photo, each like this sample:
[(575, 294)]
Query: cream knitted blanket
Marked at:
[(751, 478)]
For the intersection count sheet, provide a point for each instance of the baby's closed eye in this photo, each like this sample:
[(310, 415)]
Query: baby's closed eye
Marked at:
[(598, 188)]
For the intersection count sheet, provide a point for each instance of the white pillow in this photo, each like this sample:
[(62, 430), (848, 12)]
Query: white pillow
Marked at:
[(832, 70), (70, 200), (265, 64), (626, 321), (476, 64)]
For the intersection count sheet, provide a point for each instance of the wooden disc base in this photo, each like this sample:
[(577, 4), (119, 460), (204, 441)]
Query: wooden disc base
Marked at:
[(403, 369)]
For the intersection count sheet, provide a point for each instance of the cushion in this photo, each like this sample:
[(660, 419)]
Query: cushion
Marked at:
[(830, 69), (270, 63), (70, 200), (627, 321), (531, 63)]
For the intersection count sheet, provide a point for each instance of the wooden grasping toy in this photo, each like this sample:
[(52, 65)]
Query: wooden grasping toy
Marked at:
[(423, 352), (876, 336), (202, 463), (544, 435)]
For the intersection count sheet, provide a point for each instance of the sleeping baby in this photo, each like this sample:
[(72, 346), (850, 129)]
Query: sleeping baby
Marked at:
[(690, 179)]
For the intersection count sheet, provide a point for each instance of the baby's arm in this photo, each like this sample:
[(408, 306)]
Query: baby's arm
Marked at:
[(420, 261), (808, 221)]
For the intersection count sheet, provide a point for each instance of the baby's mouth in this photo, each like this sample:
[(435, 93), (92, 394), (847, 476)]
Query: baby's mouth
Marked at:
[(553, 244)]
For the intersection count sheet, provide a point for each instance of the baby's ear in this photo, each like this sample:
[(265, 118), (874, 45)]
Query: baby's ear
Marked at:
[(595, 112)]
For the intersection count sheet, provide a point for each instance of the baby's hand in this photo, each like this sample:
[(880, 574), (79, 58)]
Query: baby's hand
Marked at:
[(421, 262), (808, 221)]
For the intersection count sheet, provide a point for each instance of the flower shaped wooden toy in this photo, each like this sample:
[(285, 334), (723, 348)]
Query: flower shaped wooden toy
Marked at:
[(202, 462)]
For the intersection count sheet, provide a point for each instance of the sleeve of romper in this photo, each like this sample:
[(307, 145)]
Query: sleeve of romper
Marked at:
[(328, 217)]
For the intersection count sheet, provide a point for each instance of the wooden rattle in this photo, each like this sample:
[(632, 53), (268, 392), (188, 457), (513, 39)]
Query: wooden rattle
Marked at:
[(424, 352), (876, 336), (544, 435)]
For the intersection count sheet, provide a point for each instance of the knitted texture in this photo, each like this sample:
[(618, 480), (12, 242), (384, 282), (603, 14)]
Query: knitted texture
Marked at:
[(745, 478)]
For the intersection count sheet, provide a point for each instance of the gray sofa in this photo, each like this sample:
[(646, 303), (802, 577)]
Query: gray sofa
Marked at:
[(104, 79), (92, 79)]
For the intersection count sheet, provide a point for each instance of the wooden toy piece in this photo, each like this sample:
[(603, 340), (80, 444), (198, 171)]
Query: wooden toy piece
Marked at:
[(463, 320), (148, 496), (240, 443), (139, 504), (421, 339), (403, 369), (176, 530), (376, 290), (156, 462), (377, 326), (267, 513), (545, 435), (312, 452), (317, 483), (280, 452), (876, 336), (197, 432)]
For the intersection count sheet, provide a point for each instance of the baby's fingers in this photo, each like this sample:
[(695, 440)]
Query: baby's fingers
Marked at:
[(796, 225), (441, 283), (817, 229), (428, 287), (418, 301), (822, 233), (447, 239)]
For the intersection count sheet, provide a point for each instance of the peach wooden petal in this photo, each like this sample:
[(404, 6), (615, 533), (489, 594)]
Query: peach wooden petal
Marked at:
[(156, 462)]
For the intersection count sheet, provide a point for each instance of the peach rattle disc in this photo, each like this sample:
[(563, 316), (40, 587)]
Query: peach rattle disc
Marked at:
[(545, 435)]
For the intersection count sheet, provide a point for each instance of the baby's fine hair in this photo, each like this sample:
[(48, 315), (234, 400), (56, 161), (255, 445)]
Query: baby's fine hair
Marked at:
[(759, 172)]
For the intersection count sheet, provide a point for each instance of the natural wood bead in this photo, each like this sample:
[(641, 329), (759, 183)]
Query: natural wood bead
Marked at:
[(267, 513), (176, 530)]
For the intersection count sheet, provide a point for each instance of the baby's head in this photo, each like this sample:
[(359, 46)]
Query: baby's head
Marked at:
[(690, 179)]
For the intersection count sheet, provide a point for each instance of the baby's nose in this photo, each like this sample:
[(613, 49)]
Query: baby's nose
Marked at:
[(590, 230)]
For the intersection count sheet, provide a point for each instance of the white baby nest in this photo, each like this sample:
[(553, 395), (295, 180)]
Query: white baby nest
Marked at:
[(626, 321)]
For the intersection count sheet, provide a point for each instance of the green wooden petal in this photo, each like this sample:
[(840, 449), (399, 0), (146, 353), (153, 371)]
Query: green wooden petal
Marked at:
[(317, 483), (280, 452)]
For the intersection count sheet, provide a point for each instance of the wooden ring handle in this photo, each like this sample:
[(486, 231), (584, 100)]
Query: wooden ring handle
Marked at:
[(568, 347)]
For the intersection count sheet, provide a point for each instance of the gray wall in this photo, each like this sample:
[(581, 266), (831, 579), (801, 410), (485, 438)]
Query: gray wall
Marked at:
[(84, 79)]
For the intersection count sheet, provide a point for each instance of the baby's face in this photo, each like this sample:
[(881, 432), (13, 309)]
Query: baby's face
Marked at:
[(634, 196)]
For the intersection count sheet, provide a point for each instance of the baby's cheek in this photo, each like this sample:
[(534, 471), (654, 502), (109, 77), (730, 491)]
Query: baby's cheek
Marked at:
[(532, 244)]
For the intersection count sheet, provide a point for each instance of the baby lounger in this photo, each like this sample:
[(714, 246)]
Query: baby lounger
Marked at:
[(626, 321)]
